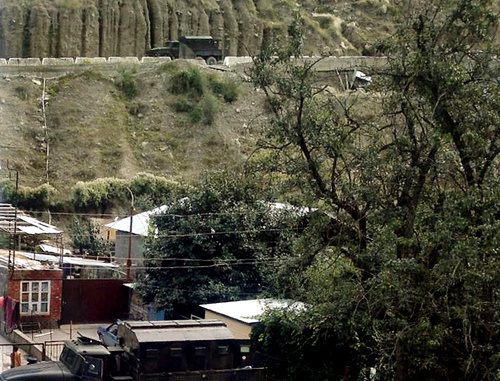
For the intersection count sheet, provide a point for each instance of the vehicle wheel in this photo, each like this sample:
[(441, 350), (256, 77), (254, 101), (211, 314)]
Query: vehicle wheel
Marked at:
[(211, 60)]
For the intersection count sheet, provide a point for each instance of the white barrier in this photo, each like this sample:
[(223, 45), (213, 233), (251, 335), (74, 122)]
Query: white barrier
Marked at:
[(134, 60), (90, 60), (330, 63), (231, 61), (155, 59), (49, 61), (24, 61)]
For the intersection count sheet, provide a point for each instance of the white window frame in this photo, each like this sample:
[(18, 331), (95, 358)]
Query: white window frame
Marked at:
[(35, 296)]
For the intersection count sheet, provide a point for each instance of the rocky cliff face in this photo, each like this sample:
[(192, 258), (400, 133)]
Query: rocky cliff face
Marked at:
[(59, 28)]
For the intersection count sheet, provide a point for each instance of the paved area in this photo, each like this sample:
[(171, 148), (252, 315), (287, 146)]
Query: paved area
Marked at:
[(5, 351), (67, 332), (53, 339)]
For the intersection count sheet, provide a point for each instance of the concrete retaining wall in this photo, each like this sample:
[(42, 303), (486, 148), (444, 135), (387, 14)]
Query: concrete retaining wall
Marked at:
[(58, 61), (155, 59), (24, 61), (231, 61), (90, 60), (331, 63)]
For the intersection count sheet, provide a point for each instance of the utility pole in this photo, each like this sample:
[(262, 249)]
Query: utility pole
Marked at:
[(129, 255)]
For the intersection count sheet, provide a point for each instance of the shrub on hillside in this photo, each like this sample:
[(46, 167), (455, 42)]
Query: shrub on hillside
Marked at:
[(208, 106), (27, 198), (128, 86), (226, 88), (187, 82), (101, 195)]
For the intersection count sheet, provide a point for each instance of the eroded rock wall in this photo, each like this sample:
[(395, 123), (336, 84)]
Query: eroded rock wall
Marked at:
[(61, 28)]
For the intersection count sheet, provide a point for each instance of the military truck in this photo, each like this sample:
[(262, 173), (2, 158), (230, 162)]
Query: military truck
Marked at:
[(170, 350), (203, 47)]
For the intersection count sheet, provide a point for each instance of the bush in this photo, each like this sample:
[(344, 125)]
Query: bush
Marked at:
[(195, 114), (103, 194), (228, 89), (183, 105), (187, 82), (128, 86), (26, 197), (209, 109), (21, 93)]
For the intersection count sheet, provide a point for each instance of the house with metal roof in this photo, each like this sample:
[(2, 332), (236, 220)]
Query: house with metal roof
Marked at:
[(130, 234), (240, 316)]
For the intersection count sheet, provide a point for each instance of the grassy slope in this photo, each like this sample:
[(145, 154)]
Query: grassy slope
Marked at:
[(95, 131)]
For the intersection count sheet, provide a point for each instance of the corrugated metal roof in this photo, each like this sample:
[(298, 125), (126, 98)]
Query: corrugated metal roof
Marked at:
[(249, 311), (84, 262), (171, 324), (21, 261), (25, 224), (140, 222), (183, 334)]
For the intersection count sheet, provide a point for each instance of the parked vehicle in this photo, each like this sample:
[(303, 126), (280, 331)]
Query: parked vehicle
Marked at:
[(204, 47), (108, 335), (171, 350)]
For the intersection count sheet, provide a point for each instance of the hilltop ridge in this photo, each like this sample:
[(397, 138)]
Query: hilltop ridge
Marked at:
[(70, 28)]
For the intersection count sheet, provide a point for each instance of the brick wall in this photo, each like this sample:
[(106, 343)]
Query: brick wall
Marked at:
[(55, 278)]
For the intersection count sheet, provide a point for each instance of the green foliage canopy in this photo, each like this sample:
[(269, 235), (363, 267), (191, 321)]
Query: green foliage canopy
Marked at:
[(413, 183), (218, 244)]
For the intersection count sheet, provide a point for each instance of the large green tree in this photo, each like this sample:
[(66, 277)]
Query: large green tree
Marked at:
[(410, 171), (222, 242)]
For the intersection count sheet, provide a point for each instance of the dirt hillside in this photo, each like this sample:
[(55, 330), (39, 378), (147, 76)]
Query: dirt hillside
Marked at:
[(69, 28), (94, 129)]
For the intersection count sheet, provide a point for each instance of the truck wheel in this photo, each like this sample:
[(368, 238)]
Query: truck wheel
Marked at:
[(211, 60)]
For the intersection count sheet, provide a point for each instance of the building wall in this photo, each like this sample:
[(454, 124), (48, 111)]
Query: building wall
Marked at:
[(121, 248), (239, 329), (55, 278)]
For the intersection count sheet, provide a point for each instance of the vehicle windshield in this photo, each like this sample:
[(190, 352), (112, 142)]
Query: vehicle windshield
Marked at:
[(69, 358)]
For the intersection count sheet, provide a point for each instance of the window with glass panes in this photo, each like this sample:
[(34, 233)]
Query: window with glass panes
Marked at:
[(35, 297)]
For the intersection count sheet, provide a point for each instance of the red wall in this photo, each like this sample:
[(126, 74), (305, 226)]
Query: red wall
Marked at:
[(94, 300), (55, 277)]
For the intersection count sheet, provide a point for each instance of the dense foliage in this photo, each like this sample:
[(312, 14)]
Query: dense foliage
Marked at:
[(86, 238), (408, 278), (221, 243)]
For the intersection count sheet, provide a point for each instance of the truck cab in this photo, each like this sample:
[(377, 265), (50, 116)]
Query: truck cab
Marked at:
[(82, 359)]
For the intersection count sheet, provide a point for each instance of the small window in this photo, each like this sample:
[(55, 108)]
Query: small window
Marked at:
[(176, 352), (223, 350), (200, 351), (245, 348), (35, 297), (151, 353)]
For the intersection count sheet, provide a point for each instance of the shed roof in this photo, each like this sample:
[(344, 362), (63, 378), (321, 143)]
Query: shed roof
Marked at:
[(155, 335), (21, 261), (12, 220), (140, 222), (77, 261), (249, 311)]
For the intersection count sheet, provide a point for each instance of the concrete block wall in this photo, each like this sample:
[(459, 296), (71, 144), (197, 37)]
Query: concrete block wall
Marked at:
[(330, 63)]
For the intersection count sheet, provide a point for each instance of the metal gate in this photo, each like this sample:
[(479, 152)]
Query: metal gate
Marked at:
[(93, 300)]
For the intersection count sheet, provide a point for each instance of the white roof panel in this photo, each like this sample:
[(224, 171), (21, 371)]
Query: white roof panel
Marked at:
[(140, 222), (249, 311), (37, 227), (69, 260)]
